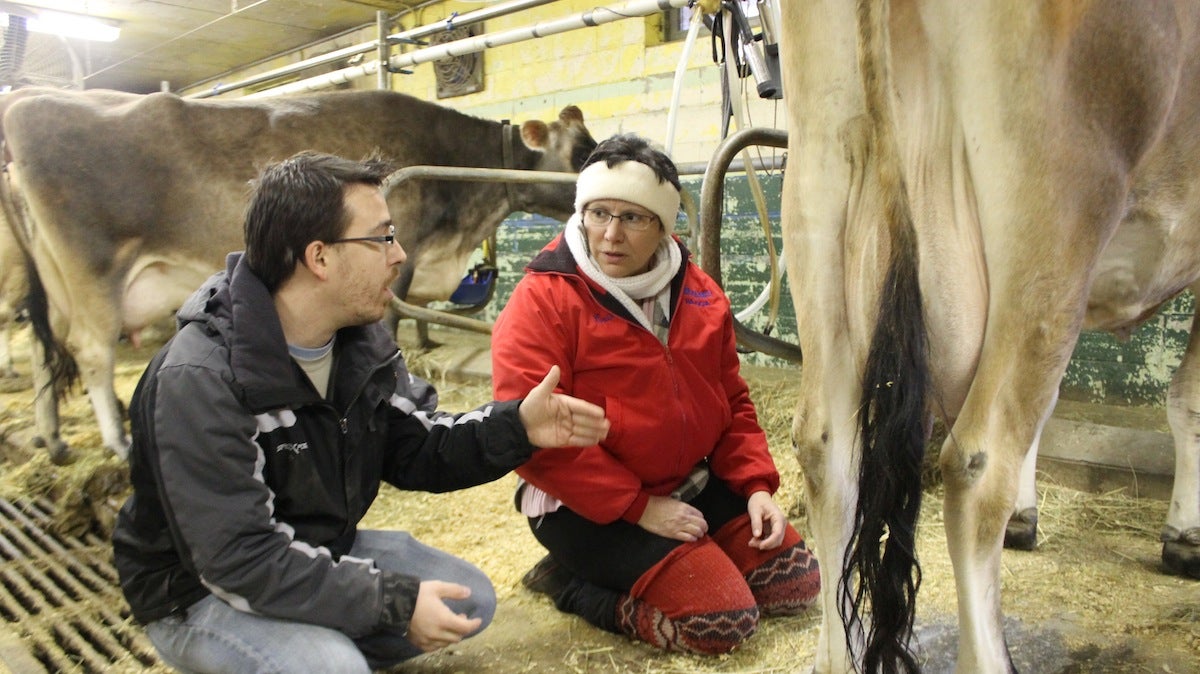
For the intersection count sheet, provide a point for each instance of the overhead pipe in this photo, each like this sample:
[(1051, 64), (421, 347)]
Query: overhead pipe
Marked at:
[(500, 9), (591, 18)]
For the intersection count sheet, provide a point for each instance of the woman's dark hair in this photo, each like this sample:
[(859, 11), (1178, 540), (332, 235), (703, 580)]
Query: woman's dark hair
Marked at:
[(632, 147), (297, 201)]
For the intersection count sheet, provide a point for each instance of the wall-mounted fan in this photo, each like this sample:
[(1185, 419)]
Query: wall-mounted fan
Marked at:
[(36, 59)]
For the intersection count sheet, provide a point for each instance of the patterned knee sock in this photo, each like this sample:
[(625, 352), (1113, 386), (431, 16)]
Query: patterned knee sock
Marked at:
[(786, 580)]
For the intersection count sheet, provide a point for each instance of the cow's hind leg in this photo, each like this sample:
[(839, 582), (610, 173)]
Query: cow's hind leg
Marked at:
[(45, 408), (1181, 534), (97, 363), (1022, 529)]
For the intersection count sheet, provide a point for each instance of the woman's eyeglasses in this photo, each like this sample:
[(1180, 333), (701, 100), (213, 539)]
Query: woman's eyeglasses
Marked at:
[(636, 222)]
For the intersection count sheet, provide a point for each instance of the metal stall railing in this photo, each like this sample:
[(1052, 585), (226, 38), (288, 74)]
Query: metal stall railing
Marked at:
[(712, 191), (461, 173)]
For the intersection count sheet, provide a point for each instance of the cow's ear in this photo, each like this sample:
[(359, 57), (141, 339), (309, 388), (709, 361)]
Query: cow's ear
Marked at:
[(535, 133), (571, 114)]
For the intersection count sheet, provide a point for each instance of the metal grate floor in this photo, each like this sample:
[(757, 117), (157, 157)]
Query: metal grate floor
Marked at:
[(60, 600)]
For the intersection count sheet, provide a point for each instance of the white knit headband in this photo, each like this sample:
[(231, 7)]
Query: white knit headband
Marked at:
[(630, 181)]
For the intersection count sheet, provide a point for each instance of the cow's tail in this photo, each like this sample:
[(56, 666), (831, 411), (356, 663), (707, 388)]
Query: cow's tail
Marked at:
[(881, 573), (58, 361)]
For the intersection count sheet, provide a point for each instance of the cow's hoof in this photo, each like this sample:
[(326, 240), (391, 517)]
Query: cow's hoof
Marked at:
[(1181, 552), (60, 453), (1021, 532)]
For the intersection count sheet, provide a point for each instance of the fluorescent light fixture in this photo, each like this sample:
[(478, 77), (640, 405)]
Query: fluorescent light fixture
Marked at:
[(78, 26)]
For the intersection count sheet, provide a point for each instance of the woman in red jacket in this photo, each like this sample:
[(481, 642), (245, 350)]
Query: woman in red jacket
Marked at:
[(666, 531)]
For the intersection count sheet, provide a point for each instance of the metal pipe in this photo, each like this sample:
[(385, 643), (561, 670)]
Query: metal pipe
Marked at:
[(476, 174), (467, 19), (696, 168), (718, 167), (486, 175), (591, 18), (440, 317), (712, 191), (382, 48)]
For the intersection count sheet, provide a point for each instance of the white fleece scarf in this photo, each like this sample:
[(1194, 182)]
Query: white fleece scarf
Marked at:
[(629, 290)]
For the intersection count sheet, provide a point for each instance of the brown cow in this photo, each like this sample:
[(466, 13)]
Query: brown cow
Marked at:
[(133, 204), (970, 184)]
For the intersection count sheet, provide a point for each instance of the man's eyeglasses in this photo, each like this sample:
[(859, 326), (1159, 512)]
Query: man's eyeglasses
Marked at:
[(388, 238), (635, 222)]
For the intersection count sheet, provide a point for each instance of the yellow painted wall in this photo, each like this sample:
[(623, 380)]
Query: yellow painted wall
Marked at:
[(620, 74)]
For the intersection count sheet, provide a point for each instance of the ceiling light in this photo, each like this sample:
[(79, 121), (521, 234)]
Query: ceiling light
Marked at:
[(79, 26)]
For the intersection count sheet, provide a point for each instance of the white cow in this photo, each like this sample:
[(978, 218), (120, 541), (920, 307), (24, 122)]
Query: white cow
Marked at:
[(970, 184)]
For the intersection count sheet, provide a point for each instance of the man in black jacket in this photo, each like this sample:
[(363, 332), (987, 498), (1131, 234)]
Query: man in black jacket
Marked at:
[(261, 433)]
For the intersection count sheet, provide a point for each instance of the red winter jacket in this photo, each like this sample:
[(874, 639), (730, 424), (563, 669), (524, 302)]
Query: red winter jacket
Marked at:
[(670, 406)]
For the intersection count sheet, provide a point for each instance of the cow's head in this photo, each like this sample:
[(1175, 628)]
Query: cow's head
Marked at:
[(561, 145), (438, 254)]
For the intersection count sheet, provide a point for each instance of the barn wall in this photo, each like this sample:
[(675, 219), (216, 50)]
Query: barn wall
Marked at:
[(621, 76)]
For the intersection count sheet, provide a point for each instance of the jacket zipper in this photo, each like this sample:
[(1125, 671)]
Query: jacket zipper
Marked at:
[(344, 421)]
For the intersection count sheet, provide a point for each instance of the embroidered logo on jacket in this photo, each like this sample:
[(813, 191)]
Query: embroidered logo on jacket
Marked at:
[(293, 447), (700, 298)]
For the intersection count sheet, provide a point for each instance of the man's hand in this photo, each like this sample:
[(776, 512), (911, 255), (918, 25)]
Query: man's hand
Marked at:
[(558, 420), (767, 521), (433, 624), (673, 519)]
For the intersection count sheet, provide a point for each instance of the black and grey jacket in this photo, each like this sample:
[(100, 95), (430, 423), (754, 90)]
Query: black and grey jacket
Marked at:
[(249, 485)]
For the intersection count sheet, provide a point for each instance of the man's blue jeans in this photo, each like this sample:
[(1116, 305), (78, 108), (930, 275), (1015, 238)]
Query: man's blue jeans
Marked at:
[(214, 637)]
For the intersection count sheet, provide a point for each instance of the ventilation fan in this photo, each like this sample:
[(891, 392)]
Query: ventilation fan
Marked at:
[(457, 75), (36, 59)]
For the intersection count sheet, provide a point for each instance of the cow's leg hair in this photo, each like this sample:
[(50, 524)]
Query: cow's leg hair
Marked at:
[(1181, 533)]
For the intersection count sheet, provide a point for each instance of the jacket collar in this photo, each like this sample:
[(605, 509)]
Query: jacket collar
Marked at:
[(556, 258), (237, 305)]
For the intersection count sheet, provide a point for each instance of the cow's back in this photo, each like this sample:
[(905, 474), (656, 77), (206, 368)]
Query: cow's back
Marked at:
[(182, 168)]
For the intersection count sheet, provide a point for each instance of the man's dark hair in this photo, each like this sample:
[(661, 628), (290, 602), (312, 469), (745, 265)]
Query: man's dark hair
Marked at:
[(297, 201), (632, 147)]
